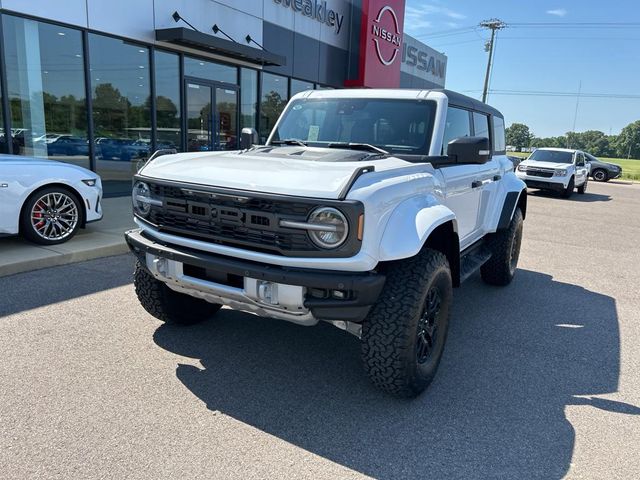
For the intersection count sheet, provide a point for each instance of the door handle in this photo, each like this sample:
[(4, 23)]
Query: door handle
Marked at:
[(479, 183)]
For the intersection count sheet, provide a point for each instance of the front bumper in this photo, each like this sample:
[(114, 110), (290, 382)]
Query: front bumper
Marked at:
[(232, 282), (557, 187)]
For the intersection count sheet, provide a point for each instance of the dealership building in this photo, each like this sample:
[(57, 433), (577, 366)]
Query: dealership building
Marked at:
[(104, 83)]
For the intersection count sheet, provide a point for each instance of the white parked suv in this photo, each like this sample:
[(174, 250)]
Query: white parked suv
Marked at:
[(364, 209), (557, 169)]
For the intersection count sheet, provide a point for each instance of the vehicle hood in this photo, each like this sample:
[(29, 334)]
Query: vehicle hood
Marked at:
[(34, 162), (535, 163), (299, 171)]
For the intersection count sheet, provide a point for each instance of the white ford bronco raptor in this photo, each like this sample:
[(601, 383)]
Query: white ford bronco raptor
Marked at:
[(363, 209)]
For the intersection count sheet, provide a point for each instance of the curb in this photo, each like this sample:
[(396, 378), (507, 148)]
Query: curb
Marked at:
[(64, 259)]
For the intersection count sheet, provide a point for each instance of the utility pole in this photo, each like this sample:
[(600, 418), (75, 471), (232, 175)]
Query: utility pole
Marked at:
[(493, 25)]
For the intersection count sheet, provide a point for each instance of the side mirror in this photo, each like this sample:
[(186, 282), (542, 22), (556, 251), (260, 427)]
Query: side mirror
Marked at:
[(248, 138), (469, 150)]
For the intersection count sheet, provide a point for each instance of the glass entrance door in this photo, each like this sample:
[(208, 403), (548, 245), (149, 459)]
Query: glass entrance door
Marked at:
[(199, 115), (226, 119), (212, 117)]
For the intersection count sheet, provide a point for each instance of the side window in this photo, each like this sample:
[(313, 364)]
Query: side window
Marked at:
[(579, 159), (458, 125), (480, 125), (499, 144)]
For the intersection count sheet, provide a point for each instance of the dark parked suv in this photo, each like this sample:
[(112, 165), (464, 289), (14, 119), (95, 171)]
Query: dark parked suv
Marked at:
[(603, 171)]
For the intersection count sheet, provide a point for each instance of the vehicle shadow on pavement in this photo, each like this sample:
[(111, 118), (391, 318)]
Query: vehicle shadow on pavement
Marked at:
[(515, 358), (576, 197), (38, 288)]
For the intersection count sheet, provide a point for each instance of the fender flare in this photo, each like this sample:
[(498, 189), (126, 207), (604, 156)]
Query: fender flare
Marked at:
[(410, 225), (511, 200)]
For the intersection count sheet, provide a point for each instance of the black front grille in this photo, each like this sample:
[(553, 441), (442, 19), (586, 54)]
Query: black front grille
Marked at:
[(539, 172), (242, 220)]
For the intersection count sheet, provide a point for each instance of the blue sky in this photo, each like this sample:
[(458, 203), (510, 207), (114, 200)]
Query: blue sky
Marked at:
[(606, 60)]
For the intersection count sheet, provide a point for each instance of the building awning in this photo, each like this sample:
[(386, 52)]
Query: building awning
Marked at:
[(210, 43)]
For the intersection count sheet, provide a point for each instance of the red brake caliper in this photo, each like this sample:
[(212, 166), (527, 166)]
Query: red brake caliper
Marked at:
[(39, 214)]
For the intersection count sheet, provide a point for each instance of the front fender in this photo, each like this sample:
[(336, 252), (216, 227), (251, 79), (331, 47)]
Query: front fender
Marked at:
[(511, 193), (410, 225)]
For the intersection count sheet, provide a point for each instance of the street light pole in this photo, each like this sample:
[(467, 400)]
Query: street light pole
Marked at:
[(493, 24)]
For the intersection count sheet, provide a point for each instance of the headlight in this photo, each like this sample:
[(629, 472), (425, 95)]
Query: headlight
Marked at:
[(142, 200), (522, 168), (561, 172), (90, 182), (337, 227)]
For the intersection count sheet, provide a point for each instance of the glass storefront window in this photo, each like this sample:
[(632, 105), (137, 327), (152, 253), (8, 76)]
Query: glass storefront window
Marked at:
[(249, 98), (45, 83), (167, 77), (273, 99), (298, 86), (217, 72), (121, 96), (4, 138)]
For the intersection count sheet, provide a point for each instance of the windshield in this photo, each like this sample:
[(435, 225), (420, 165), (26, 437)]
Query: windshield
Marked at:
[(398, 126), (553, 156)]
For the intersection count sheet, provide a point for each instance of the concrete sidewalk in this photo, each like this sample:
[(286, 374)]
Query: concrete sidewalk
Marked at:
[(99, 239)]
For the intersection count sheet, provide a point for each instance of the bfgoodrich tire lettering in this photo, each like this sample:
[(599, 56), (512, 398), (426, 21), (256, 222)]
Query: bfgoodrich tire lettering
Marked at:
[(395, 351), (168, 305), (505, 251)]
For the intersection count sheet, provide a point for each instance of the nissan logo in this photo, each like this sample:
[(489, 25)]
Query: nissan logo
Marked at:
[(387, 40)]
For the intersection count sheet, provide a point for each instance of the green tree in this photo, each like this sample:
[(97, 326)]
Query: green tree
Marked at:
[(110, 109), (518, 135), (596, 143), (627, 144)]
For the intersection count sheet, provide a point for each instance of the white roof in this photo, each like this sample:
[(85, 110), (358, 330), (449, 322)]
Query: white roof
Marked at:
[(402, 93), (572, 150)]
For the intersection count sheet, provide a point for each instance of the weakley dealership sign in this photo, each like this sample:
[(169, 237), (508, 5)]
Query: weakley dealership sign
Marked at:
[(380, 44), (317, 10)]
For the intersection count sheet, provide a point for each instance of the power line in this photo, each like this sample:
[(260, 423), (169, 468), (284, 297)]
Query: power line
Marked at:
[(540, 93), (574, 24), (447, 33)]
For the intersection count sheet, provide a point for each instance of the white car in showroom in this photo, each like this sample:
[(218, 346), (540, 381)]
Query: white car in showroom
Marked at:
[(556, 169), (46, 201)]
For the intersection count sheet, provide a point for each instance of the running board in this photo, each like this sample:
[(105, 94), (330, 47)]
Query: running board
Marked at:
[(472, 260)]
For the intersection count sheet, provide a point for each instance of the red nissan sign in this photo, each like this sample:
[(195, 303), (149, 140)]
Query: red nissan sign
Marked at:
[(380, 44)]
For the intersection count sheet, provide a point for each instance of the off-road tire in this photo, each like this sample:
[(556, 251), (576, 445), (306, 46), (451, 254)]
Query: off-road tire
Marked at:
[(390, 334), (569, 190), (505, 250), (600, 175), (583, 188), (168, 305)]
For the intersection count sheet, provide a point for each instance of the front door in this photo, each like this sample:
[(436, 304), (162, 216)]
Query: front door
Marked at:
[(211, 116)]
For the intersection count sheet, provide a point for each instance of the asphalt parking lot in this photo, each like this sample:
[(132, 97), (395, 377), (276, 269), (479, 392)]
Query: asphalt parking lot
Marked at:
[(539, 380)]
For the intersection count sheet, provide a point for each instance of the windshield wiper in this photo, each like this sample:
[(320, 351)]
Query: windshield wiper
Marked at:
[(288, 141), (358, 146)]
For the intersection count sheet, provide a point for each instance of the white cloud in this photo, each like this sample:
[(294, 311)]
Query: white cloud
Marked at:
[(558, 12), (418, 18)]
